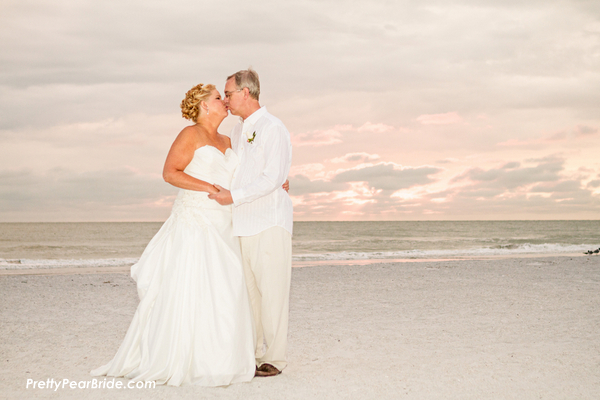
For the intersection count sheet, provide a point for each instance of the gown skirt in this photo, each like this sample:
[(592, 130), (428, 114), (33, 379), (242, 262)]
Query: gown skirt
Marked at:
[(193, 325)]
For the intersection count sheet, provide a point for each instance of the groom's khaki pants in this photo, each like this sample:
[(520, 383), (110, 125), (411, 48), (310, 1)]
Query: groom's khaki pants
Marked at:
[(267, 259)]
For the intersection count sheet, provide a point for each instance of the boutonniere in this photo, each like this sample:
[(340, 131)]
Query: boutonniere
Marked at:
[(250, 138)]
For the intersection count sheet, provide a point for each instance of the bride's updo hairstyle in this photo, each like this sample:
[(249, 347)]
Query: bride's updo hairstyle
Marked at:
[(190, 106)]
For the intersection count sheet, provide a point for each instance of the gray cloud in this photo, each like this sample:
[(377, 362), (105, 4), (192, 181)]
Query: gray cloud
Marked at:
[(511, 177), (594, 184), (104, 195), (513, 191), (566, 186), (388, 177), (385, 176), (511, 165), (510, 70), (583, 130), (301, 185), (100, 60), (542, 190)]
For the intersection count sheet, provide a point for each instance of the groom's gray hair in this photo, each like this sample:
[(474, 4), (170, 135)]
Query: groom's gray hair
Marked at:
[(247, 78)]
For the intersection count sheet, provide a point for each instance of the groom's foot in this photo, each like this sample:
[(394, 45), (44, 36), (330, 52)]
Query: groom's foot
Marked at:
[(267, 370)]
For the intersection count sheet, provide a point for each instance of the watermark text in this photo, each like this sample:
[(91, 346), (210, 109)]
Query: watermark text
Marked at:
[(106, 383)]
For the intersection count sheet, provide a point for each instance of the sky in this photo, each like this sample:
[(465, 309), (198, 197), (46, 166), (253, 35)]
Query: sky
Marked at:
[(397, 110)]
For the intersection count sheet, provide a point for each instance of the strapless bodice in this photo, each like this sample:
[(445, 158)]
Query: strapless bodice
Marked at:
[(210, 165)]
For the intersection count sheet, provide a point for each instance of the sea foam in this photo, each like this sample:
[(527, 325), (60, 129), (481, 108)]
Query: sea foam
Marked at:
[(522, 249), (71, 263)]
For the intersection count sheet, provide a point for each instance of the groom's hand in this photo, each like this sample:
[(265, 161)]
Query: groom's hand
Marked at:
[(223, 197)]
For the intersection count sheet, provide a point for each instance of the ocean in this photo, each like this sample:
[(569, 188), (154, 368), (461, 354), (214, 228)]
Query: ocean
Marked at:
[(100, 244)]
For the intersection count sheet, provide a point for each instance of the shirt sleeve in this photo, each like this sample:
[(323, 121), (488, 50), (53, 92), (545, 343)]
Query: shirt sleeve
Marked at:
[(278, 154)]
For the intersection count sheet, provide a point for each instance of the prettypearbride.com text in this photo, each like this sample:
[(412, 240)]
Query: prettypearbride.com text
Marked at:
[(91, 384)]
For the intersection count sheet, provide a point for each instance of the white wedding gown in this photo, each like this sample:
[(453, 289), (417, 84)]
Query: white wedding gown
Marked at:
[(193, 324)]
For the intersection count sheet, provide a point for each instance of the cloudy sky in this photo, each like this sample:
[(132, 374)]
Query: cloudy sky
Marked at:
[(398, 110)]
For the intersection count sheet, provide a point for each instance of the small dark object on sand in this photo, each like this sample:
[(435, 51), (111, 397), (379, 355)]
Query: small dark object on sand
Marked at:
[(593, 251)]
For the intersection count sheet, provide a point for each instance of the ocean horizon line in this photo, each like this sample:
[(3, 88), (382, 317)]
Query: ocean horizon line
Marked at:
[(352, 221)]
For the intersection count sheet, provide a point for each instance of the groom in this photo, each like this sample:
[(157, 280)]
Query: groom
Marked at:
[(262, 216)]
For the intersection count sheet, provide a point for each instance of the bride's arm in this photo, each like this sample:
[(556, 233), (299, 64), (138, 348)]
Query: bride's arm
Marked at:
[(180, 155)]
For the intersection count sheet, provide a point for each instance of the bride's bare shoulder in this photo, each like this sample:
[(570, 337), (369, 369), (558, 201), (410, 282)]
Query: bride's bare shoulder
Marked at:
[(190, 134)]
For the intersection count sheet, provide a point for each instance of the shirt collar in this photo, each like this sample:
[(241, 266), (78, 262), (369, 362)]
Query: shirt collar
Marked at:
[(255, 116)]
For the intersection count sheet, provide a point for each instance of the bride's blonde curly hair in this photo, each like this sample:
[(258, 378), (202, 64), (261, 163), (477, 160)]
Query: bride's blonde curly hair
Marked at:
[(190, 106)]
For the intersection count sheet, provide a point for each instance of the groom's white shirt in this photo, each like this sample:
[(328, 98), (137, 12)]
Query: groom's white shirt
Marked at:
[(258, 198)]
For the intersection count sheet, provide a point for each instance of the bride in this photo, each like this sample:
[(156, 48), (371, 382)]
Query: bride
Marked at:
[(193, 324)]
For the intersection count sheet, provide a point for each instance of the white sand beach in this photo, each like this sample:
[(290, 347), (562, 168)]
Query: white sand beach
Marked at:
[(521, 328)]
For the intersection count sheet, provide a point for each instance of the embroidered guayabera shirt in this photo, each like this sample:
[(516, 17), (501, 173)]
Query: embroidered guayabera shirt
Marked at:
[(258, 198)]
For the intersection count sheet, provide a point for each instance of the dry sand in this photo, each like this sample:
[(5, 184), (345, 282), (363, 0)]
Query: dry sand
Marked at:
[(482, 329)]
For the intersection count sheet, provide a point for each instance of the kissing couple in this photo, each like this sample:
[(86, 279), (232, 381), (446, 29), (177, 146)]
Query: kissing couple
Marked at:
[(214, 282)]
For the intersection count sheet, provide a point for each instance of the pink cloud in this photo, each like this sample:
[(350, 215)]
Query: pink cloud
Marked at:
[(579, 132), (342, 127), (356, 157), (519, 143), (310, 170), (317, 138), (325, 137), (440, 119), (377, 128)]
